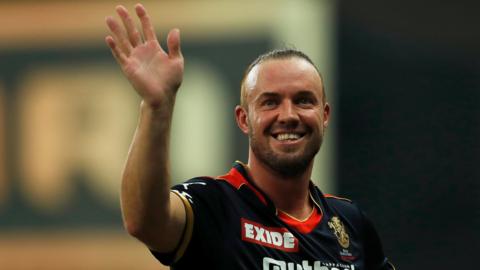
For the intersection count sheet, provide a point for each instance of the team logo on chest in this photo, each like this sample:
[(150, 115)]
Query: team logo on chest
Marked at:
[(339, 230), (273, 237)]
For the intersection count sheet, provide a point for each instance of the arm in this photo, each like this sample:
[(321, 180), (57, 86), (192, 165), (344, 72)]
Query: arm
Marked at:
[(150, 212)]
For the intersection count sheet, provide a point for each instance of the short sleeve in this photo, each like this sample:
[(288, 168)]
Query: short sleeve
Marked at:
[(202, 200)]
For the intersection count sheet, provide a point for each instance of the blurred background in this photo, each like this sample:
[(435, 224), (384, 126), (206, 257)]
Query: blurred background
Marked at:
[(403, 79)]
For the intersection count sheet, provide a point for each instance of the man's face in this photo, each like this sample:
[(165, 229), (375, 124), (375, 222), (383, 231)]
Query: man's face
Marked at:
[(286, 116)]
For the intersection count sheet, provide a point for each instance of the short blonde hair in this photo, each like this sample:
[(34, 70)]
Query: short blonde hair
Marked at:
[(284, 53)]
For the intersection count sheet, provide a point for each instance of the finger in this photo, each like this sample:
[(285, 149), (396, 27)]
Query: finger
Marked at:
[(117, 53), (132, 32), (173, 43), (148, 31), (119, 35)]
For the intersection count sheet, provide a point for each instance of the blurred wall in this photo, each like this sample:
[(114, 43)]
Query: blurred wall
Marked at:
[(67, 116)]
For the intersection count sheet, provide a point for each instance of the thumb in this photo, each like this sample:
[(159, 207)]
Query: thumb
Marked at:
[(173, 43)]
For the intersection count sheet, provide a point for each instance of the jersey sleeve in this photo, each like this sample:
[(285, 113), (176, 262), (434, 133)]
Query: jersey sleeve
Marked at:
[(202, 199), (374, 255)]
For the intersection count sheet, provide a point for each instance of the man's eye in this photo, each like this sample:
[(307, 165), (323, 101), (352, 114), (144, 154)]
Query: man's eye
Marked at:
[(305, 101), (269, 103)]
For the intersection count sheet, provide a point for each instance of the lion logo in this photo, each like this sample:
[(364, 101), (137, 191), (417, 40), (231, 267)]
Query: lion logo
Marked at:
[(339, 230)]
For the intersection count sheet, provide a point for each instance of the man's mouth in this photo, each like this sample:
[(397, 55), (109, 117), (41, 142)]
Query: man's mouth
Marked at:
[(288, 136)]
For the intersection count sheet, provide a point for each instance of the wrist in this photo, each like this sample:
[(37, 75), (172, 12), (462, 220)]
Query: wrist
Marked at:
[(157, 109), (164, 103)]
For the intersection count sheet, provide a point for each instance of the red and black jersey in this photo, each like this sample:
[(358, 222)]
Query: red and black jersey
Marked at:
[(231, 224)]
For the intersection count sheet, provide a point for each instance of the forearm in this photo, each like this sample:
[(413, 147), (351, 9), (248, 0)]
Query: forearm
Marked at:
[(145, 194)]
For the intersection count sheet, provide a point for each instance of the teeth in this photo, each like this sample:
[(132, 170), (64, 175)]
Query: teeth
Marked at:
[(287, 136)]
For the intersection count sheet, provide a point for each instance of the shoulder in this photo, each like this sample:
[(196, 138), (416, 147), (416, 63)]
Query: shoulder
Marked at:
[(345, 208), (199, 182), (339, 203), (202, 188), (335, 198), (195, 183)]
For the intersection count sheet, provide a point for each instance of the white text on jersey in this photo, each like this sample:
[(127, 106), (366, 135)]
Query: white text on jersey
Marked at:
[(274, 237), (272, 264)]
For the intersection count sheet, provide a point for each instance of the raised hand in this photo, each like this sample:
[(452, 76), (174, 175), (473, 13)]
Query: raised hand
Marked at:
[(155, 74)]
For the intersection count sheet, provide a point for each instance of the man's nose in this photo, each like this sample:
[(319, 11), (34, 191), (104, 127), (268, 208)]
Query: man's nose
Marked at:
[(287, 113)]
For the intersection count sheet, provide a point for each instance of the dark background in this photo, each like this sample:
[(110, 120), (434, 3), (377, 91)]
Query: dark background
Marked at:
[(409, 125)]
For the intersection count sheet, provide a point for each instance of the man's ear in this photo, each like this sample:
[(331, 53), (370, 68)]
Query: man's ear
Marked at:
[(326, 114), (241, 116)]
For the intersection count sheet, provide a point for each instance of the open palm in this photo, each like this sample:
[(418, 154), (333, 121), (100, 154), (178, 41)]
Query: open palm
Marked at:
[(155, 74)]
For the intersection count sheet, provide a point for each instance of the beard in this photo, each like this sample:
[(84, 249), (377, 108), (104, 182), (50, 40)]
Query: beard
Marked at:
[(286, 163)]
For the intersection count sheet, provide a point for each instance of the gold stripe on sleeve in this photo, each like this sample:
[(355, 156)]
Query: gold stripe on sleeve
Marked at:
[(391, 264), (188, 227)]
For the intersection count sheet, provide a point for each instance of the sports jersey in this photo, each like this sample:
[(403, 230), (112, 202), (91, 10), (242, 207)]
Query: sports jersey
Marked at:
[(231, 224)]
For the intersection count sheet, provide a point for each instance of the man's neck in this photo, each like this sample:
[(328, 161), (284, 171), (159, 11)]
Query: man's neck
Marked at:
[(290, 194)]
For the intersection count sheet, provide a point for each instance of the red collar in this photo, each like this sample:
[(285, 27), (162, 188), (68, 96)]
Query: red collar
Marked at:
[(238, 176), (303, 226)]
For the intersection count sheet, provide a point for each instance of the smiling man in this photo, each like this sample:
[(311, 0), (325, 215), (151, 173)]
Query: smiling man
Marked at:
[(284, 111), (266, 214)]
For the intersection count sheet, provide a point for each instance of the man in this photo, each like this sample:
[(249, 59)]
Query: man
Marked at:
[(265, 214)]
